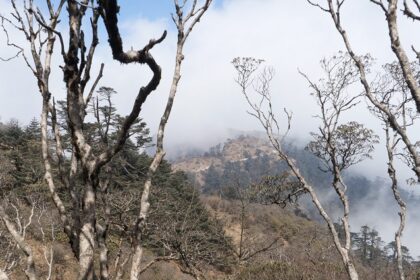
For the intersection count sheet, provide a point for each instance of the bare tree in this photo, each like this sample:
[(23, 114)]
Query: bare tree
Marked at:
[(339, 146), (250, 246), (281, 190), (21, 220), (391, 89), (393, 114), (18, 231), (332, 144), (391, 11), (185, 22), (29, 20), (334, 9)]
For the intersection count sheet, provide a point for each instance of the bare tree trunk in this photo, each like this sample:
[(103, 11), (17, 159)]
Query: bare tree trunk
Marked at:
[(87, 235), (103, 253), (80, 225), (141, 219), (195, 14), (391, 18), (386, 114), (343, 251), (241, 239), (102, 230), (160, 153), (263, 112), (390, 146), (334, 12)]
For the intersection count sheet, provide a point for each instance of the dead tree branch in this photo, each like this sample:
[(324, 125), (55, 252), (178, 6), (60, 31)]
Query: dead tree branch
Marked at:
[(246, 67), (184, 27)]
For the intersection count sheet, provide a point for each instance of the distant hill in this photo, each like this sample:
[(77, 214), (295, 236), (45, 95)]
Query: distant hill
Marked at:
[(248, 157), (235, 153)]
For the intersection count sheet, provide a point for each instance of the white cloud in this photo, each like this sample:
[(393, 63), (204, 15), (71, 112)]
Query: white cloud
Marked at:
[(287, 34)]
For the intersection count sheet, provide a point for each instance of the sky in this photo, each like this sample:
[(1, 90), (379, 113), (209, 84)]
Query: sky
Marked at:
[(288, 34), (151, 9)]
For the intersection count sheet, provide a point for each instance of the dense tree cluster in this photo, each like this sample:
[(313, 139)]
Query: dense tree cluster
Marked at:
[(179, 230)]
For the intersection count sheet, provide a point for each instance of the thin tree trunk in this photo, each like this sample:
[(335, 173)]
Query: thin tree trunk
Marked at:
[(103, 252), (343, 251), (403, 208), (268, 121), (363, 79), (87, 235), (141, 220), (412, 83), (160, 153)]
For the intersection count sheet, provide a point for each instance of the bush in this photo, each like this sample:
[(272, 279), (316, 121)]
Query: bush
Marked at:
[(269, 271)]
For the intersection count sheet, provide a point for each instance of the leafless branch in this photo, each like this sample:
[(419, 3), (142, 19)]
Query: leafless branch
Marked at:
[(160, 153), (245, 68), (156, 260), (318, 6), (93, 88), (409, 13), (360, 64), (17, 235)]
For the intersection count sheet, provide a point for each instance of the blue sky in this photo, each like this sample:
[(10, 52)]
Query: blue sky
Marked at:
[(151, 9)]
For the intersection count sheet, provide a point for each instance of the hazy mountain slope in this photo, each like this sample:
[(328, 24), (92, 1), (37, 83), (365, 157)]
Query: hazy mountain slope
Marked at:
[(247, 158)]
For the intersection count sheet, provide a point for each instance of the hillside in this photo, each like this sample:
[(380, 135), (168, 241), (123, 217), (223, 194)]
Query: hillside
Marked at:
[(250, 157), (236, 151), (206, 228), (247, 158), (292, 247)]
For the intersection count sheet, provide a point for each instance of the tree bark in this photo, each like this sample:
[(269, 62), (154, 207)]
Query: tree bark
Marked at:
[(195, 15), (87, 235), (403, 207), (412, 83)]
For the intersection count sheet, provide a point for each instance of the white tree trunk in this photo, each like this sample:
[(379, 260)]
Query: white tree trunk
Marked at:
[(195, 15), (87, 236)]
